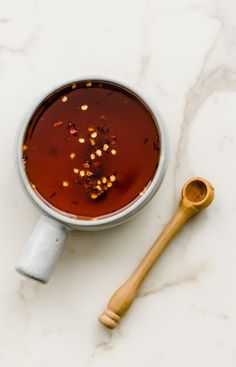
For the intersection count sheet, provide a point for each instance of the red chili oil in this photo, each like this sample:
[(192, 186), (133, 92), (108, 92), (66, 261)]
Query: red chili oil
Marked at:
[(91, 149)]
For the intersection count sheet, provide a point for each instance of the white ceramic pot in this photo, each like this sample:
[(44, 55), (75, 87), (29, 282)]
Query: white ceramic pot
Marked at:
[(48, 238)]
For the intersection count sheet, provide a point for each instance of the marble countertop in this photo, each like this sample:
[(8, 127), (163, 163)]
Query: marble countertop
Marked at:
[(182, 54)]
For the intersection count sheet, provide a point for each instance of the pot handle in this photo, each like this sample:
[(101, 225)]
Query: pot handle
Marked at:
[(43, 249)]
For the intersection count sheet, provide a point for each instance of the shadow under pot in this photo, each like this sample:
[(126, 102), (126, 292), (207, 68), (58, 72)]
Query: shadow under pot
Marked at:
[(90, 156)]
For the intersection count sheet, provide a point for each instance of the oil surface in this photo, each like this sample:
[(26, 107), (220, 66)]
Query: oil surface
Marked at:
[(91, 149)]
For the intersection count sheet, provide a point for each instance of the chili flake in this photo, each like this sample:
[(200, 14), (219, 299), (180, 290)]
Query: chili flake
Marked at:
[(105, 147), (98, 152), (73, 131), (86, 165), (103, 117), (57, 123), (112, 178), (24, 148), (94, 134), (72, 155), (64, 99)]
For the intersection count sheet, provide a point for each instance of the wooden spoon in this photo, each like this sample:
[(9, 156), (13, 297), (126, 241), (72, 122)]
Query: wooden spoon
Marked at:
[(197, 194)]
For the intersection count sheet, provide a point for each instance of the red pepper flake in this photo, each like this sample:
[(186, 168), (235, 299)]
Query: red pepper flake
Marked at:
[(103, 117), (73, 131), (57, 123)]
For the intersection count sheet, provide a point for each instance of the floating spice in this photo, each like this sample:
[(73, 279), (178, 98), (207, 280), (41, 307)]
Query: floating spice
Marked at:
[(103, 116), (86, 165), (57, 123), (72, 155), (99, 152), (72, 129), (112, 178), (84, 107), (94, 135), (64, 99)]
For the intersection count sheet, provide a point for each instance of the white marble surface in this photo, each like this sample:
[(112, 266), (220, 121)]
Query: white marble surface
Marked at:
[(182, 54)]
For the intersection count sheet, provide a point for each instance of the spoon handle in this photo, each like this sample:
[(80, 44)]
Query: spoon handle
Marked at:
[(123, 298)]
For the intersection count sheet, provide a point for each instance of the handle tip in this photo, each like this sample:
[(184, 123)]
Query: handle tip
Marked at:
[(109, 319)]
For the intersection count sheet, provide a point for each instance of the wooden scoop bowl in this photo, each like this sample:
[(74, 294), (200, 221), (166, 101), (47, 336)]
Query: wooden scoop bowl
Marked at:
[(197, 194)]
